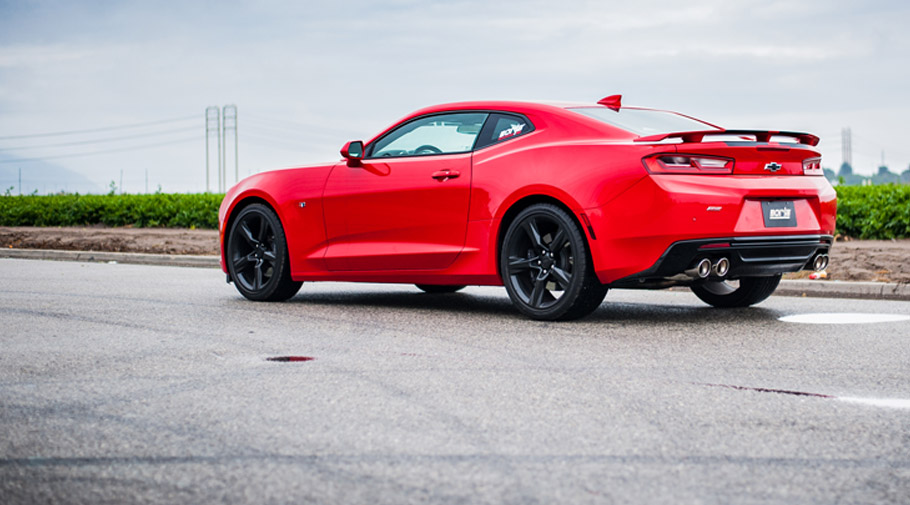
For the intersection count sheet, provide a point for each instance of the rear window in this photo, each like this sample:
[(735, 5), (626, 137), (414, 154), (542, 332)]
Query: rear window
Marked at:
[(501, 127), (643, 121)]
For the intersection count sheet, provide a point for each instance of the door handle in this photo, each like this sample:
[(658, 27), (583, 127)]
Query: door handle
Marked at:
[(446, 174)]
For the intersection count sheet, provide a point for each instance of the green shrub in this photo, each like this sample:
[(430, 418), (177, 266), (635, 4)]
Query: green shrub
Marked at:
[(874, 212), (865, 212), (158, 210)]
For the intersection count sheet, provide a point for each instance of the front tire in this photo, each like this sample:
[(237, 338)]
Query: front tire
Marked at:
[(257, 256), (546, 267), (751, 290)]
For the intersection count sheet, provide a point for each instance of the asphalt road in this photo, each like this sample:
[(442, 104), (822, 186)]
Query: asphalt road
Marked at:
[(140, 384)]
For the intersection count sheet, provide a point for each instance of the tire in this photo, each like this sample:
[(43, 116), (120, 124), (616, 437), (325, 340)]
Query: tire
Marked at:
[(257, 256), (438, 288), (751, 290), (546, 266)]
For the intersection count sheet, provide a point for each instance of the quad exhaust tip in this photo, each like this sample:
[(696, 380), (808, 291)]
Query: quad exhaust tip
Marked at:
[(721, 268), (820, 262), (701, 270)]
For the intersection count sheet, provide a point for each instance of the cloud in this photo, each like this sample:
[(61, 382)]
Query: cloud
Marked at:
[(339, 71)]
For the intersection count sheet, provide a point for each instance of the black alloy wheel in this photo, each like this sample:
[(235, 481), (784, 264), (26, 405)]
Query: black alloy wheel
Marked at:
[(257, 256), (438, 288), (739, 293), (546, 267)]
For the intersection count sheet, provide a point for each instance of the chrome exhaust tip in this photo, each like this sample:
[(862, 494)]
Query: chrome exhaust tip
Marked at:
[(721, 267), (820, 262), (701, 270)]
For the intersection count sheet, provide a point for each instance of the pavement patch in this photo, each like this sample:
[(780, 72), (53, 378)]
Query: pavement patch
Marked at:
[(894, 403), (290, 359), (843, 318)]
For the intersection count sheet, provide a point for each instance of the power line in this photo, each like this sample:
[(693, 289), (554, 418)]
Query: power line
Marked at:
[(321, 127), (97, 141), (93, 153), (93, 130)]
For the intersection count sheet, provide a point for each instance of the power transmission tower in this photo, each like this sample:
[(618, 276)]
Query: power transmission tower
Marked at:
[(212, 125), (221, 122), (229, 123), (847, 146)]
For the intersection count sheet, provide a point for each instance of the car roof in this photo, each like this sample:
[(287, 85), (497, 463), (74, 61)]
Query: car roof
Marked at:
[(512, 105)]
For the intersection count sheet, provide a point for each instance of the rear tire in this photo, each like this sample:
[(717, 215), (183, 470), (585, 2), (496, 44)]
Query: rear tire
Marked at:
[(257, 256), (751, 290), (438, 289), (546, 267)]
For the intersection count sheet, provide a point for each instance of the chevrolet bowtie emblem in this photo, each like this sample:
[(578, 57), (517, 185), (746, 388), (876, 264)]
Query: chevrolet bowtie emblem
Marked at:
[(773, 166)]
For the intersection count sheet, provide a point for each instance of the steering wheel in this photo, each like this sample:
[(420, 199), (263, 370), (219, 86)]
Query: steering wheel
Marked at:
[(426, 148)]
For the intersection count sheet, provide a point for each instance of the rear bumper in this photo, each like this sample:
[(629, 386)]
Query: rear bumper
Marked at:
[(748, 257)]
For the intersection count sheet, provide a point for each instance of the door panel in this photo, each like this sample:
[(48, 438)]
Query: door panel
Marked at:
[(401, 213)]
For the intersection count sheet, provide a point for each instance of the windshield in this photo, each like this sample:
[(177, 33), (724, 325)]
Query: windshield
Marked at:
[(643, 121)]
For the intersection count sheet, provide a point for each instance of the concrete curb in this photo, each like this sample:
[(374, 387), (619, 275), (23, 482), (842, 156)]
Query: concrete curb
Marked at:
[(172, 260), (815, 289), (845, 289)]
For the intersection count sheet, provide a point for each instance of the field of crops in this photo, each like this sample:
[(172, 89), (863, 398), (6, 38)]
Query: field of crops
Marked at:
[(157, 210), (864, 212), (874, 212)]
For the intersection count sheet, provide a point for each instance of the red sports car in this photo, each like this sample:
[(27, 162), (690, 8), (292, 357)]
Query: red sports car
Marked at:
[(556, 201)]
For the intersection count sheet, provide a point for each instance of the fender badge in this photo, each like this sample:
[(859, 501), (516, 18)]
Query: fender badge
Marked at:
[(773, 166)]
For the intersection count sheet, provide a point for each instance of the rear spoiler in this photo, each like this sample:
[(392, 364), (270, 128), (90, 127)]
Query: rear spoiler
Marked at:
[(760, 136)]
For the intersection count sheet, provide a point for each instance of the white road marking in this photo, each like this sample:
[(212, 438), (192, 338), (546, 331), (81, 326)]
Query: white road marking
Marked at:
[(894, 403), (843, 318)]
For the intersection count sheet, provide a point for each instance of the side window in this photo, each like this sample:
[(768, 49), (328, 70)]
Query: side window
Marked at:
[(502, 127), (438, 134)]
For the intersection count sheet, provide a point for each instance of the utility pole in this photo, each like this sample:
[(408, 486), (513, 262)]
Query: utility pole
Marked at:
[(212, 125), (229, 123)]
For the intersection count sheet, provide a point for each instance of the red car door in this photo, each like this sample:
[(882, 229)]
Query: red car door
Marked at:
[(406, 206)]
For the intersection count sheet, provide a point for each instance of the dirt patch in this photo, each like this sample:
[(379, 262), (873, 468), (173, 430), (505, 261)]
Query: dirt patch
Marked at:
[(144, 240), (851, 260), (867, 260)]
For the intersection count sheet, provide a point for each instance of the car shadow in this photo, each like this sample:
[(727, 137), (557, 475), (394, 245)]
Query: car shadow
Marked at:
[(607, 312), (448, 302), (630, 313)]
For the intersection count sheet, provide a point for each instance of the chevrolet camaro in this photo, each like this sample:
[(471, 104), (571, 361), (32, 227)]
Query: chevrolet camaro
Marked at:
[(558, 202)]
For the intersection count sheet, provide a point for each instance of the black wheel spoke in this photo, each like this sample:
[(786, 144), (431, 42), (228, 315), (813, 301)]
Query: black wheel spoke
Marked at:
[(269, 256), (257, 279), (536, 298), (530, 227), (521, 264), (562, 278), (559, 241), (247, 234), (241, 262)]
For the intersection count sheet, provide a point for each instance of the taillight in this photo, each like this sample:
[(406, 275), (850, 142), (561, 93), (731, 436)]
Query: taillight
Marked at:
[(813, 166), (687, 164)]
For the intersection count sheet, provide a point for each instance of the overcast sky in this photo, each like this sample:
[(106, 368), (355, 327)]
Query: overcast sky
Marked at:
[(307, 76)]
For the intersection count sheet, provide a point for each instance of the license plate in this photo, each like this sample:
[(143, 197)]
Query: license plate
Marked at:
[(778, 213)]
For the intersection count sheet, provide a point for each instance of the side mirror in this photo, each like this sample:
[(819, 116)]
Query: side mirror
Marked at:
[(353, 152)]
